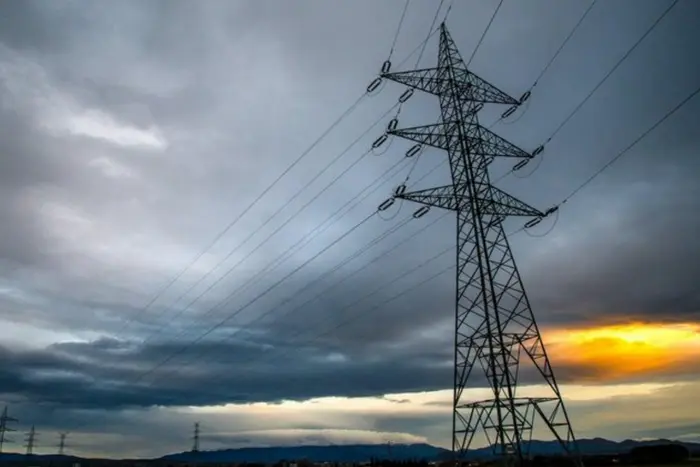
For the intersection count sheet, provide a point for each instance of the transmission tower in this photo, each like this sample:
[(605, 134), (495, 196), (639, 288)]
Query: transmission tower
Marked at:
[(4, 428), (495, 329), (195, 438), (62, 443), (31, 438)]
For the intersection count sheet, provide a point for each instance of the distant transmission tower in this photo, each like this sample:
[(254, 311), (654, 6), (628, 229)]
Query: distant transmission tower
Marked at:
[(195, 438), (31, 439), (494, 324), (4, 428), (62, 443)]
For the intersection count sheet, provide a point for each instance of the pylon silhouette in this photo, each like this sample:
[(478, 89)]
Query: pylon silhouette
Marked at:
[(494, 325)]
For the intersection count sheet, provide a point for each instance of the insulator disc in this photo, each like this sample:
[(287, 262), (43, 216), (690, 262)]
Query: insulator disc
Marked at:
[(421, 212), (537, 151), (386, 204), (374, 85), (379, 141), (551, 210), (509, 112), (525, 97), (393, 123), (386, 66), (521, 164), (406, 95), (533, 222), (415, 149), (401, 189)]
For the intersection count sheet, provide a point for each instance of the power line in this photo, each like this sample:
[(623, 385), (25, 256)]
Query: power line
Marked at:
[(259, 296), (326, 274), (544, 70), (255, 299), (366, 265), (483, 35), (431, 31), (344, 115), (563, 44), (342, 263), (322, 276), (378, 289), (580, 105), (612, 70), (289, 168), (398, 29), (279, 210), (310, 284), (631, 145), (188, 345), (289, 201), (352, 318), (170, 283), (350, 305), (449, 9), (307, 238), (328, 222)]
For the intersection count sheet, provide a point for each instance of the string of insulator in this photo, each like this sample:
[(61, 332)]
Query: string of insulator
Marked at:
[(398, 192), (386, 204), (406, 95), (511, 110), (533, 222), (379, 141), (413, 150), (524, 162), (374, 85), (386, 66), (394, 122), (422, 211)]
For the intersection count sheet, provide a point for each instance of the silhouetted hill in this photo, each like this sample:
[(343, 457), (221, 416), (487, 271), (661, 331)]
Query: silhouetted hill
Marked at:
[(334, 453), (365, 452)]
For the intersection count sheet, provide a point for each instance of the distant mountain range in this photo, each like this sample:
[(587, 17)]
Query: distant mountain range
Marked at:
[(365, 452)]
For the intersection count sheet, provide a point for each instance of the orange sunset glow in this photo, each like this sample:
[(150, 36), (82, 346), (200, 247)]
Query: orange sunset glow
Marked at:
[(620, 351)]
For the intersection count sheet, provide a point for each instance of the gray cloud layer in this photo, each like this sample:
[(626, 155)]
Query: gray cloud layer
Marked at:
[(131, 134)]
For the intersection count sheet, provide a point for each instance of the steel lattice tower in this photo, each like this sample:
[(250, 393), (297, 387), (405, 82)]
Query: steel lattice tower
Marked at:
[(195, 438), (494, 325), (31, 440), (62, 443), (4, 428)]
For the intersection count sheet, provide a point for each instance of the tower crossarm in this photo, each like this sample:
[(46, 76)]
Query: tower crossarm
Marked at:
[(496, 202), (487, 143), (481, 141), (437, 81)]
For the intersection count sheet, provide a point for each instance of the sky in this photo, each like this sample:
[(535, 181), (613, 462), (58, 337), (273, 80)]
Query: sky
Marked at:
[(134, 136)]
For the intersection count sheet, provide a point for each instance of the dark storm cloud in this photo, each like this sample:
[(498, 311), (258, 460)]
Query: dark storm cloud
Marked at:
[(200, 107), (99, 376), (635, 258)]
